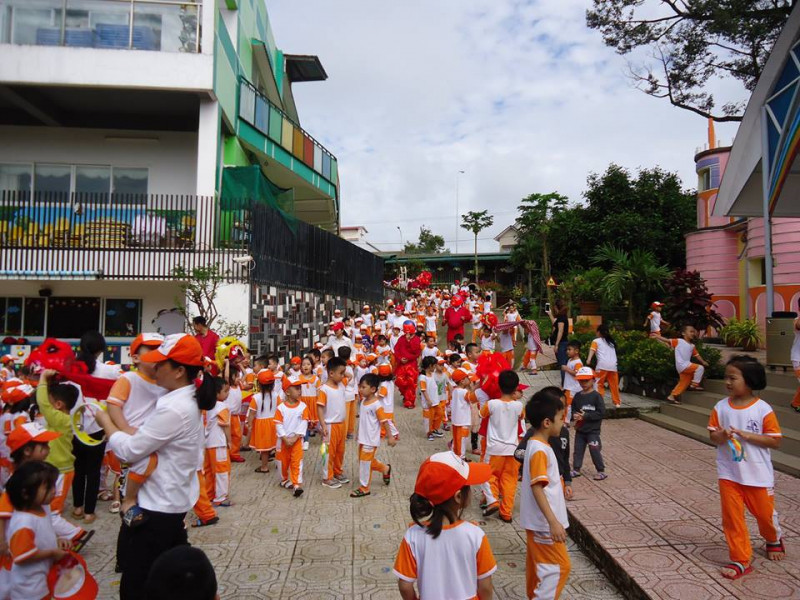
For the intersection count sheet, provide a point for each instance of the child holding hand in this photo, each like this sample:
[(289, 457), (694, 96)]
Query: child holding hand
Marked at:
[(291, 422)]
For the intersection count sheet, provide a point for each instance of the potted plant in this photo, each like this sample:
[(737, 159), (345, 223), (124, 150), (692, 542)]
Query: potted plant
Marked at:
[(583, 288), (748, 335), (728, 332)]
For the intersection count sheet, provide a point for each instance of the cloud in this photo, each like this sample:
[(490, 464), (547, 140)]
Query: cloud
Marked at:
[(520, 95)]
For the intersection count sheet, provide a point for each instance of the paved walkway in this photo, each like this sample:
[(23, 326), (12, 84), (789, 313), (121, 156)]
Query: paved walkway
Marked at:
[(327, 545)]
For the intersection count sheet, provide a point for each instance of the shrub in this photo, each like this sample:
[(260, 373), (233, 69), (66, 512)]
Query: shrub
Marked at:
[(688, 301)]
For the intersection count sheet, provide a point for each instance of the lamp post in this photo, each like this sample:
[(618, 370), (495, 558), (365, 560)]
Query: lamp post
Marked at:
[(401, 236), (458, 225)]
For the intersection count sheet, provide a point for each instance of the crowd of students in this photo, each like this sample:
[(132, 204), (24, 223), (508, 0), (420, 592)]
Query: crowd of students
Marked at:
[(177, 419)]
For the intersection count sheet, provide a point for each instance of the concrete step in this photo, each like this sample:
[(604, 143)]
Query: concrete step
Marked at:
[(787, 416), (698, 415), (781, 460), (780, 387)]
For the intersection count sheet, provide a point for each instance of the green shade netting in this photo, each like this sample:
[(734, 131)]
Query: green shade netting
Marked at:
[(242, 186)]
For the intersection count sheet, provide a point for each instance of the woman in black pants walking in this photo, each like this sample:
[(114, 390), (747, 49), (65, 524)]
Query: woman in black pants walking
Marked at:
[(89, 459)]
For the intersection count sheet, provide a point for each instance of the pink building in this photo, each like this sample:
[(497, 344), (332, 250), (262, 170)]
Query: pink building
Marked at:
[(729, 253)]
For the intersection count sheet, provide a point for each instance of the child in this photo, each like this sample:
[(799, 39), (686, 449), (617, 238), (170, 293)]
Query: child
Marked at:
[(386, 392), (690, 375), (430, 348), (383, 350), (543, 511), (261, 419), (291, 424), (322, 368), (428, 392), (502, 437), (310, 385), (461, 413), (488, 339), (654, 320), (477, 324), (7, 369), (371, 418), (235, 398), (350, 388), (382, 325), (217, 442), (443, 389), (746, 479), (332, 409), (531, 352), (588, 409), (445, 556), (605, 348), (32, 542), (571, 385), (506, 340), (430, 322)]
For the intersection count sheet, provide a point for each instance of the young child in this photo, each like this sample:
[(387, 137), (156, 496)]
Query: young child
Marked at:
[(690, 375), (428, 392), (506, 340), (477, 324), (332, 409), (463, 398), (571, 385), (310, 387), (32, 541), (746, 477), (588, 409), (431, 322), (430, 348), (502, 437), (291, 424), (444, 555), (262, 434), (605, 349), (654, 320), (386, 392), (488, 339), (543, 510), (7, 369), (217, 442), (371, 418), (235, 399)]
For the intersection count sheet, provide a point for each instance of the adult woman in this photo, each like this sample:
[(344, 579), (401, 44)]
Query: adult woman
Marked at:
[(339, 339), (89, 459), (175, 432), (558, 337)]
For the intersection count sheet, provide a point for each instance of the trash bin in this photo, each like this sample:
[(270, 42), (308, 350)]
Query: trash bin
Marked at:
[(780, 335)]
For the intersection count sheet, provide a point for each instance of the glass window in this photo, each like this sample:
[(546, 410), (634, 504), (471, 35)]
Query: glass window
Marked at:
[(16, 178), (34, 316), (12, 310), (95, 181), (123, 317), (131, 184), (52, 182), (36, 26), (72, 317)]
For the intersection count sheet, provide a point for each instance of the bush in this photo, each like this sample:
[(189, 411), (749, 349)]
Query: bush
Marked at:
[(716, 369)]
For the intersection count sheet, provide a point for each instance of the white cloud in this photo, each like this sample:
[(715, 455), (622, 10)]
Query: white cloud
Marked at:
[(520, 95)]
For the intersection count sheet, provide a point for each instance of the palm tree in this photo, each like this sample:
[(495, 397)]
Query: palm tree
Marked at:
[(630, 274), (476, 222)]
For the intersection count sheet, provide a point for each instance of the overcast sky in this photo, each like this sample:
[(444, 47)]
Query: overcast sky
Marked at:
[(520, 95)]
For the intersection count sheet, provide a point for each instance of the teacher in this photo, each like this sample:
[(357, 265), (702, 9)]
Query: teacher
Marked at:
[(175, 433)]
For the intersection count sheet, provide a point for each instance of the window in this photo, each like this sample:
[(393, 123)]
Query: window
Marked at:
[(71, 317), (51, 182), (757, 272), (22, 316), (704, 180), (16, 178), (129, 186), (92, 180), (35, 309), (12, 315), (122, 317)]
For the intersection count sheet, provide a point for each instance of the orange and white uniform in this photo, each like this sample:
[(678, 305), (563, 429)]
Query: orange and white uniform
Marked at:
[(218, 461), (531, 352), (384, 354), (6, 510), (309, 387), (234, 402), (292, 420), (263, 406), (434, 352), (488, 343), (506, 340), (461, 417), (370, 418), (350, 394), (795, 358), (28, 532), (654, 319), (750, 482), (332, 398), (502, 437), (689, 373), (430, 325), (606, 368), (571, 385), (449, 566), (382, 326), (548, 564), (432, 407), (477, 325)]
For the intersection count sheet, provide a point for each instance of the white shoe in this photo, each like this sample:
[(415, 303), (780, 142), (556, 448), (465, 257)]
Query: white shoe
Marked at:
[(305, 445)]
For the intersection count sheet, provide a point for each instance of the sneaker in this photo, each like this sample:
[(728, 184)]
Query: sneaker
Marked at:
[(438, 434), (342, 478), (575, 474), (349, 436), (298, 492), (305, 445), (491, 509), (286, 484), (331, 483), (430, 437), (505, 519), (446, 427)]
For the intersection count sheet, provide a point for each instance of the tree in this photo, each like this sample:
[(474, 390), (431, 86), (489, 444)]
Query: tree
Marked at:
[(199, 287), (428, 243), (476, 222), (692, 42), (630, 276), (688, 301)]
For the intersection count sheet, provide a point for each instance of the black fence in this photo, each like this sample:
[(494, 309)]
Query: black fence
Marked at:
[(309, 258)]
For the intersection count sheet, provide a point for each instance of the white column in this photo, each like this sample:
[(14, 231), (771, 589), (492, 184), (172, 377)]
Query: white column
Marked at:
[(766, 169), (207, 27), (208, 133)]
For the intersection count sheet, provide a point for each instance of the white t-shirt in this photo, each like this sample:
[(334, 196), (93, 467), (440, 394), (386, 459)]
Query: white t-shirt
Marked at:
[(684, 351), (482, 397), (331, 397), (506, 341), (28, 533), (428, 384), (369, 423), (757, 417), (386, 394), (606, 355), (214, 419), (291, 420), (369, 319), (540, 467), (531, 344), (487, 342), (263, 404), (460, 413), (655, 322), (502, 435), (137, 395), (570, 383), (351, 385), (430, 323), (434, 352), (234, 400)]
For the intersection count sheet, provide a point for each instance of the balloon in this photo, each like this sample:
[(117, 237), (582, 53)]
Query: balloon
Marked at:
[(488, 370)]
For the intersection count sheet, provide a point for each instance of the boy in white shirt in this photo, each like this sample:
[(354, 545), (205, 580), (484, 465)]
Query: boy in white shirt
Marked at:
[(654, 320), (690, 375), (543, 509), (571, 385)]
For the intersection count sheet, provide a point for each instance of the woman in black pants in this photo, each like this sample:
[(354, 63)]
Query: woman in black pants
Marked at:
[(174, 433), (89, 459), (558, 337)]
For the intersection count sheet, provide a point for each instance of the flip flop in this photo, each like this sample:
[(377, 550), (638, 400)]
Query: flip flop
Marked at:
[(358, 493), (739, 568), (388, 477), (201, 523), (260, 470)]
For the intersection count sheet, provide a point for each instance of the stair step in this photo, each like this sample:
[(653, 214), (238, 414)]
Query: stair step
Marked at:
[(775, 393), (785, 413), (780, 385), (781, 461), (698, 415)]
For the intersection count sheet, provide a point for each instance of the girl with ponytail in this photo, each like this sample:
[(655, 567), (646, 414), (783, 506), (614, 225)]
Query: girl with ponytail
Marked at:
[(445, 556), (605, 349)]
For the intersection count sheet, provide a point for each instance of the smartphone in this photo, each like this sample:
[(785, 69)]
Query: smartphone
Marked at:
[(546, 307)]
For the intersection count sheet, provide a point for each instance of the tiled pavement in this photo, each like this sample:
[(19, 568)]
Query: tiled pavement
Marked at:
[(327, 545)]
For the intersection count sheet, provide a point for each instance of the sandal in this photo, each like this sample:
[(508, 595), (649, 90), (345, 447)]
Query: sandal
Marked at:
[(260, 470), (105, 496), (77, 512), (672, 400), (388, 477), (201, 523), (358, 493), (739, 570), (600, 476), (224, 503), (776, 548), (134, 516), (114, 508)]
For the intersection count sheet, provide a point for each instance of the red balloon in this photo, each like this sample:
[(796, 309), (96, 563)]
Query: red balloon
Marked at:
[(489, 368)]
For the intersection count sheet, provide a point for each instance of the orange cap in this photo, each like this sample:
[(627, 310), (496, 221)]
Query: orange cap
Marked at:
[(150, 340), (372, 357), (384, 370), (289, 382), (180, 347), (6, 358), (265, 376), (584, 373), (296, 360), (18, 393), (27, 433), (460, 374), (444, 473)]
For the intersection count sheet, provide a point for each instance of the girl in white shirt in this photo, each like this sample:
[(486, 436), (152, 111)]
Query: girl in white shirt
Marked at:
[(605, 349)]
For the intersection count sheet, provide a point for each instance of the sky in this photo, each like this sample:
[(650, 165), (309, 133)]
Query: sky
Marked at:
[(518, 94)]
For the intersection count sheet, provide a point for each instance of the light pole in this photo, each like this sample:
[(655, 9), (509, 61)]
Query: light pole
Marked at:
[(458, 225), (401, 236)]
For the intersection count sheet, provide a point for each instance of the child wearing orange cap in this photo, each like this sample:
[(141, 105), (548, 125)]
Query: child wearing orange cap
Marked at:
[(262, 435), (426, 554), (463, 396), (386, 391), (217, 430), (654, 320), (7, 369), (291, 424)]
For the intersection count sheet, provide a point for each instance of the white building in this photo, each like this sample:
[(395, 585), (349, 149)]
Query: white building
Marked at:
[(507, 238)]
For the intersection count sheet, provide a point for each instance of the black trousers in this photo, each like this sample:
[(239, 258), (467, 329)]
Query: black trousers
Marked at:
[(139, 547), (86, 484), (595, 450)]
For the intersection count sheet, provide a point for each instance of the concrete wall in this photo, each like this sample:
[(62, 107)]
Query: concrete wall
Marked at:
[(713, 253), (171, 157), (785, 247)]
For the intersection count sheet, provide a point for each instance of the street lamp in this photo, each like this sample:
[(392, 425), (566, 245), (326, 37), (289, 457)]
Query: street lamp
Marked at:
[(458, 225), (401, 236)]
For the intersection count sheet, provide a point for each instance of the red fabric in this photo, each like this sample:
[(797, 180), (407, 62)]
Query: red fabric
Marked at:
[(529, 326), (455, 318), (208, 343), (407, 373), (92, 387)]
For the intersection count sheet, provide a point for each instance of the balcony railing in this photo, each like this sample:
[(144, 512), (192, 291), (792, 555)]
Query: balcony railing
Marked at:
[(159, 25), (258, 111)]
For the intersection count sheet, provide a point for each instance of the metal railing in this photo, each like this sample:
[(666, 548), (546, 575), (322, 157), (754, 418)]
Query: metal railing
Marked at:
[(159, 25)]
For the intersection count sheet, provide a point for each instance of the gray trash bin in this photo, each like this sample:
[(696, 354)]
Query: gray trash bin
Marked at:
[(780, 335)]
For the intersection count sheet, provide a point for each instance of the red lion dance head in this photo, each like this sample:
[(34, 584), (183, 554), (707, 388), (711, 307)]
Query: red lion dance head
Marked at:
[(488, 370)]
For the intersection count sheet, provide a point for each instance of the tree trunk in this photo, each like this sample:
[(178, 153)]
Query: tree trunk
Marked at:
[(476, 259), (530, 283), (631, 314), (546, 270)]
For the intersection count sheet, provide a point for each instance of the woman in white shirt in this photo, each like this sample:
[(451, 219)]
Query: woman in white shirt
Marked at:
[(175, 432)]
